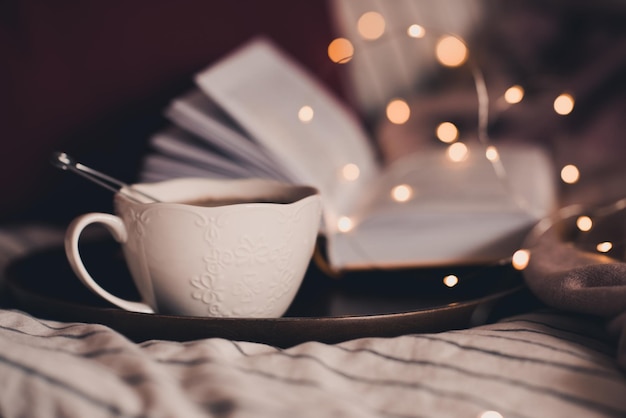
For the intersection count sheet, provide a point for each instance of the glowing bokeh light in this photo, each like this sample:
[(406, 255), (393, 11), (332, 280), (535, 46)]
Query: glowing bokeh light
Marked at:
[(340, 50), (398, 111), (492, 153), (604, 247), (345, 224), (402, 193), (520, 259), (458, 152), (570, 174), (490, 414), (371, 25), (451, 51), (416, 31), (451, 280), (305, 114), (584, 223), (514, 94), (350, 172), (564, 104), (447, 132)]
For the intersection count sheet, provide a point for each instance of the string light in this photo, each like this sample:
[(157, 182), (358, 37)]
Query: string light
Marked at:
[(340, 51), (305, 114), (350, 172), (451, 51), (371, 25), (570, 174), (447, 132), (345, 224), (458, 152), (402, 193), (398, 111), (604, 247), (520, 259), (451, 280), (492, 153), (564, 104), (490, 414), (416, 31), (514, 94), (584, 223)]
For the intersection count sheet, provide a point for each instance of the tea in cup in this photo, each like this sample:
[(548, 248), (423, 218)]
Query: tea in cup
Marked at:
[(213, 248)]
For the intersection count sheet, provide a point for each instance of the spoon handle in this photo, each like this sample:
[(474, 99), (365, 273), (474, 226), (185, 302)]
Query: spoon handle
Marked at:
[(65, 162)]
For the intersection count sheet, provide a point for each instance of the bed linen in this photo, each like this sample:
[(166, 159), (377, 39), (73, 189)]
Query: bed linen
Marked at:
[(541, 364), (546, 363)]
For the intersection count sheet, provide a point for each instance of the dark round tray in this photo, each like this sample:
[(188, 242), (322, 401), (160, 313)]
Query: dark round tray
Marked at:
[(360, 304)]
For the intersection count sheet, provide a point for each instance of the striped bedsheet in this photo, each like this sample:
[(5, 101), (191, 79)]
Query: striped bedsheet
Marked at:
[(541, 364)]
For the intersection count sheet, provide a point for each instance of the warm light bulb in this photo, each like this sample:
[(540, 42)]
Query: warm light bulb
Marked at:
[(458, 152), (451, 51), (604, 247), (447, 132), (492, 153), (490, 414), (402, 193), (416, 31), (564, 104), (350, 172), (570, 174), (520, 259), (371, 25), (345, 224), (584, 223), (514, 94), (305, 114), (451, 280), (398, 111), (340, 50)]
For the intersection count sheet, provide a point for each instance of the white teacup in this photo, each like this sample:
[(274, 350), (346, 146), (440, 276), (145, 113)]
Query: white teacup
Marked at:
[(243, 254)]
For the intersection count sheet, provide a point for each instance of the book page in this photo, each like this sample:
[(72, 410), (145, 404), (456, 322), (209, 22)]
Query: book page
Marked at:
[(456, 212), (180, 145), (264, 91), (158, 167), (195, 113)]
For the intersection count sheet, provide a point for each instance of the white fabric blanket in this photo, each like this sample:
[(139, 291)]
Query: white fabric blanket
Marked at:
[(536, 365)]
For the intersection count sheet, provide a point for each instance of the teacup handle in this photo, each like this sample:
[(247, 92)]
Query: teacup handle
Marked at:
[(115, 225)]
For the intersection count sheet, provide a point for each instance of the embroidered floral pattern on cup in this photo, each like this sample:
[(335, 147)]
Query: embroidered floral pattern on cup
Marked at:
[(248, 288), (211, 225), (217, 260), (252, 251), (284, 283), (209, 291), (249, 253), (137, 220)]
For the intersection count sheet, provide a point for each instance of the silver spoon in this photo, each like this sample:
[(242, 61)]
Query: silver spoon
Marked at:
[(65, 162)]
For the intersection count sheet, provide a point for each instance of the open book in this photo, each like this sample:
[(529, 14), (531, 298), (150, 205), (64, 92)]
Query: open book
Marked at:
[(258, 113)]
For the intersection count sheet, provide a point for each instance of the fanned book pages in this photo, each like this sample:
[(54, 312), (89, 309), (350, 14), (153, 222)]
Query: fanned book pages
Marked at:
[(258, 113)]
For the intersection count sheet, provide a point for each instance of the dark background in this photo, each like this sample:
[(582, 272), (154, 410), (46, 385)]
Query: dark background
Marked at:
[(91, 79)]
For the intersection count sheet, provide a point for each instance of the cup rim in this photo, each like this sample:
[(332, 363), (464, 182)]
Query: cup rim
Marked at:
[(263, 190)]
